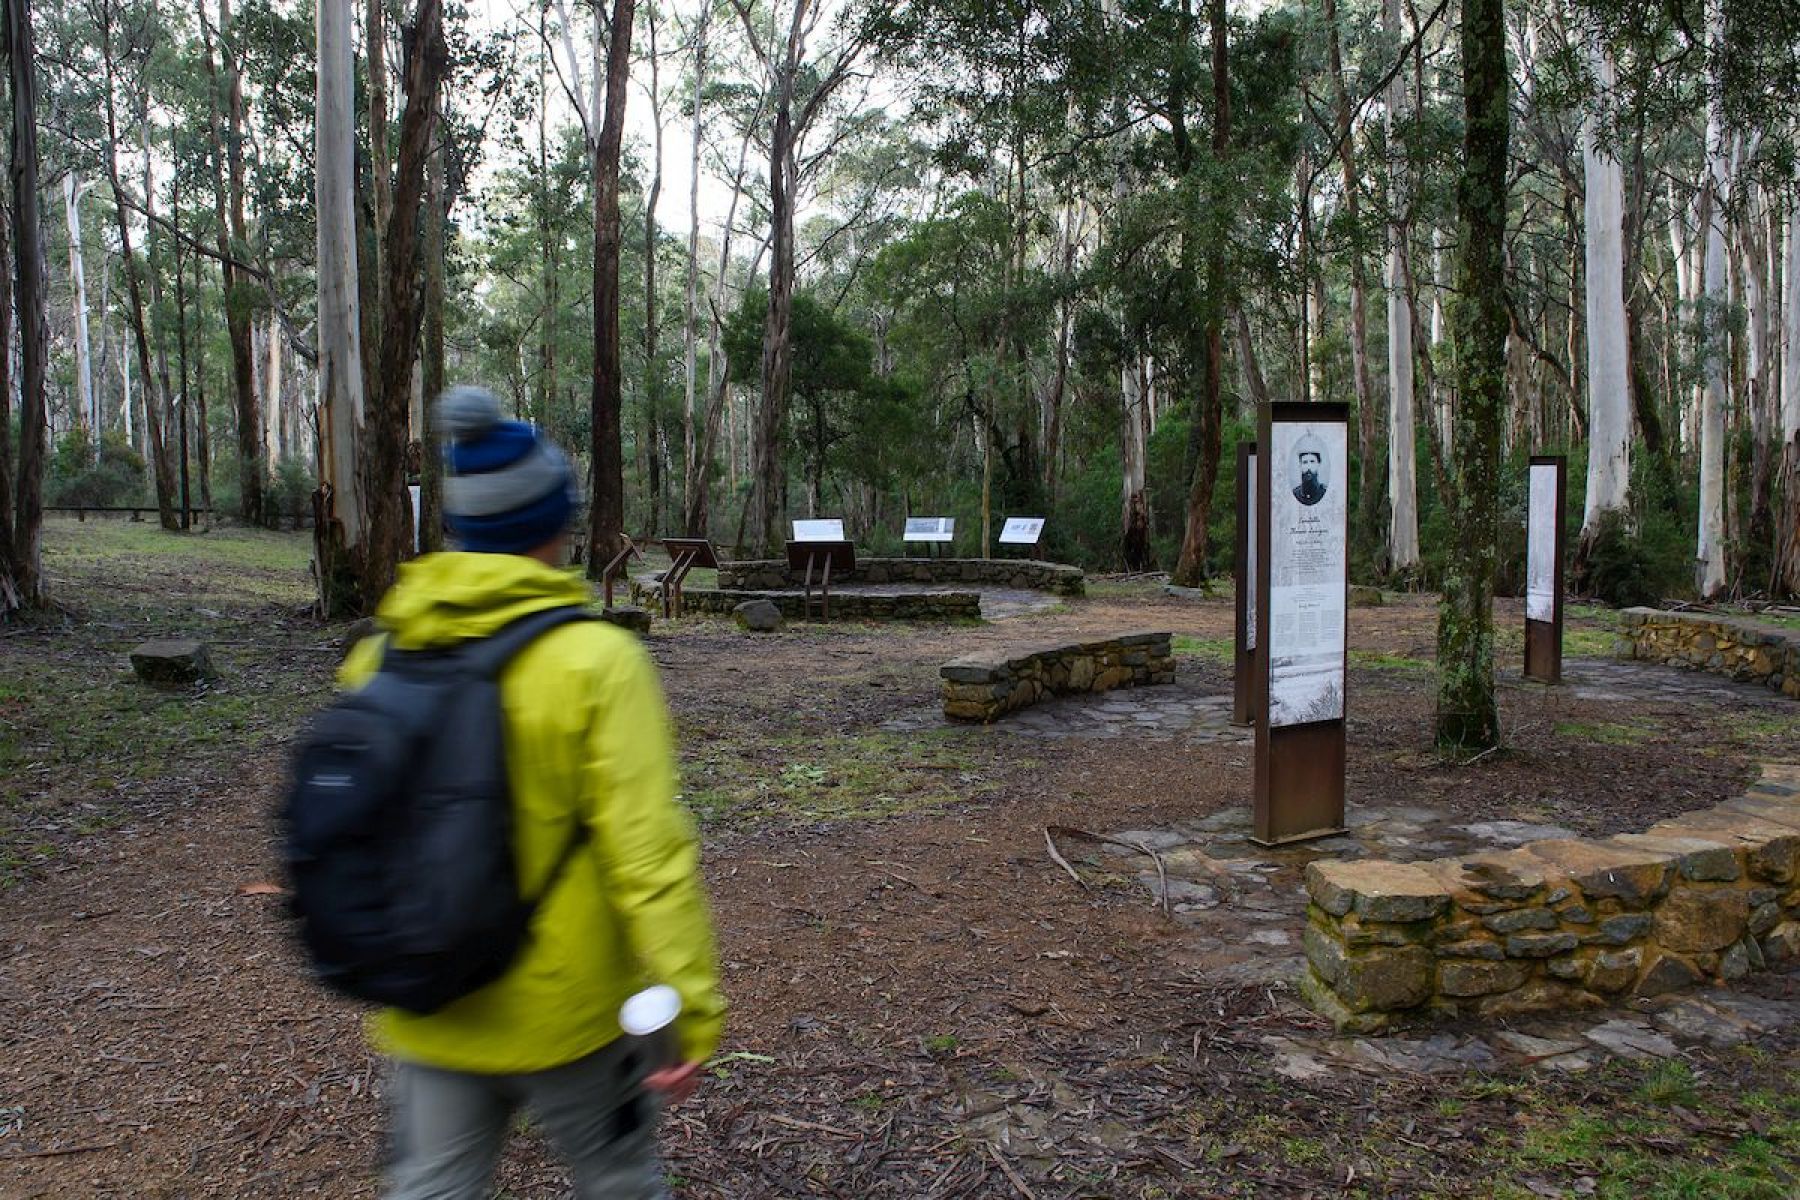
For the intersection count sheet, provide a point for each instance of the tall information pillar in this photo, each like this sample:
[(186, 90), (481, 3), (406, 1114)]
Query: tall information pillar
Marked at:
[(1302, 593)]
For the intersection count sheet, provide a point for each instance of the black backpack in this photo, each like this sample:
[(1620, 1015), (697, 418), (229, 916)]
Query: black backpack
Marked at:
[(398, 827)]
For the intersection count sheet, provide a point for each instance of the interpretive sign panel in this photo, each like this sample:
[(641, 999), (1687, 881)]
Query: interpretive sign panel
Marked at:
[(929, 529), (1302, 561), (1546, 484), (1243, 688), (1022, 531), (1308, 560), (828, 530)]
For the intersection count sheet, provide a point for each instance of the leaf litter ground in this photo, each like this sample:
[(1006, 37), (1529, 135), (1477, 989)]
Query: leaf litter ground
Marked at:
[(923, 1004)]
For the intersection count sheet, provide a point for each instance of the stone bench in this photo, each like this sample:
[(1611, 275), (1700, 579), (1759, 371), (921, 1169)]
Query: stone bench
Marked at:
[(983, 687), (845, 606), (1056, 578), (1566, 923), (1741, 649)]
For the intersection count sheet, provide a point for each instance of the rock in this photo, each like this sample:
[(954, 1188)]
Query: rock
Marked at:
[(1473, 948), (1782, 943), (1667, 974), (1568, 967), (1602, 870), (628, 616), (1764, 917), (1472, 978), (1631, 1039), (1619, 930), (1387, 979), (1614, 970), (1363, 596), (1540, 945), (758, 616), (1692, 920), (172, 662), (1735, 963), (1702, 860), (1377, 891), (1521, 919)]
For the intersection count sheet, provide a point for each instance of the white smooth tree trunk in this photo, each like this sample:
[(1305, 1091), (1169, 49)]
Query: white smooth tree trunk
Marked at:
[(1403, 487), (1608, 378), (84, 361), (1790, 365), (340, 340), (1710, 549), (692, 476), (273, 440)]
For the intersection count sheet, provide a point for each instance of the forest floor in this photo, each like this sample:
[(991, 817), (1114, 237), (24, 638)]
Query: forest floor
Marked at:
[(923, 1004)]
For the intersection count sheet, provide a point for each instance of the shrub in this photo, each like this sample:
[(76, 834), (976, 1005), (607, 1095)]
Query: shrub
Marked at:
[(79, 477)]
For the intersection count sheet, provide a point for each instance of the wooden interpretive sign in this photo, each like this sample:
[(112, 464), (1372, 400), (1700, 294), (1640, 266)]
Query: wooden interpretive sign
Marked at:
[(1547, 478), (1302, 593), (1243, 680), (821, 558), (825, 530), (686, 553)]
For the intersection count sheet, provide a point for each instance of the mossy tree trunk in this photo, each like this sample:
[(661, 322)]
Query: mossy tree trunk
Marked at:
[(1467, 716)]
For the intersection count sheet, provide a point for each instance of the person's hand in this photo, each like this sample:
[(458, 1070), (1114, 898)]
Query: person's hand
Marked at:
[(676, 1083)]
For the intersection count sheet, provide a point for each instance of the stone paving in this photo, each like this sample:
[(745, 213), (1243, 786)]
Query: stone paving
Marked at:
[(1167, 712), (1607, 680)]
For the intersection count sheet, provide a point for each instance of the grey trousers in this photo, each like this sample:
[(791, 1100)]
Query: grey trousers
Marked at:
[(449, 1126)]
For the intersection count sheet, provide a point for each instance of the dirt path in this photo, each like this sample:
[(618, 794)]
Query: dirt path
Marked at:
[(923, 1005)]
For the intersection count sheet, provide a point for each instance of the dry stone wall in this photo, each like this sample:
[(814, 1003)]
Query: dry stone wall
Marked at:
[(845, 606), (1057, 578), (1742, 650), (1569, 923), (983, 687)]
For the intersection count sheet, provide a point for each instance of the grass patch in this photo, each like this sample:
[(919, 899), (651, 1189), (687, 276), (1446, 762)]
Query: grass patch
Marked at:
[(844, 777), (1382, 661), (1610, 733), (1212, 649)]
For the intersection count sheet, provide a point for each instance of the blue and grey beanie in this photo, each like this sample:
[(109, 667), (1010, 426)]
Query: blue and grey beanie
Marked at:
[(508, 489)]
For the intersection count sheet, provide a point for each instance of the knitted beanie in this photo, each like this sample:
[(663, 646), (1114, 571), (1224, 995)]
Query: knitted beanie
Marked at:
[(508, 489)]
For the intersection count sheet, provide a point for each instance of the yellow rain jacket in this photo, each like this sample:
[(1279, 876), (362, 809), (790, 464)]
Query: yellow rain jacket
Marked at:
[(587, 741)]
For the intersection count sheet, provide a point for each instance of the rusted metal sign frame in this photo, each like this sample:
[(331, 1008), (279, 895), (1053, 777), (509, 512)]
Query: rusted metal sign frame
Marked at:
[(1299, 769), (616, 567), (823, 557), (685, 554), (1243, 680), (1544, 639)]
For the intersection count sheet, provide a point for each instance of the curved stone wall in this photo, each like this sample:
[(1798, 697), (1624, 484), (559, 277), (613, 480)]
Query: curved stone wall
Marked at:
[(1743, 650), (1569, 923), (768, 574), (981, 687), (845, 606)]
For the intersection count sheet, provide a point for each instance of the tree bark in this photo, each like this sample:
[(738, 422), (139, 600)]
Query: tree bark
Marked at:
[(431, 366), (1467, 714), (84, 361), (339, 534), (1787, 555), (1609, 389), (693, 476), (606, 512), (1403, 488), (385, 431), (228, 211), (655, 439), (768, 484), (22, 583), (1709, 578)]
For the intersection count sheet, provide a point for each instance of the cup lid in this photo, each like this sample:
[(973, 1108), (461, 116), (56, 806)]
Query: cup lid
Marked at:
[(650, 1010)]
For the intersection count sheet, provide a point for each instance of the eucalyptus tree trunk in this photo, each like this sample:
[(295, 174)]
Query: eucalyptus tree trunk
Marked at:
[(606, 510), (692, 474), (1787, 556), (1754, 261), (386, 427), (84, 360), (227, 132), (1134, 502), (1367, 431), (1403, 488), (1709, 578), (340, 523), (1467, 714), (654, 439), (768, 482), (1608, 363), (22, 583), (431, 357)]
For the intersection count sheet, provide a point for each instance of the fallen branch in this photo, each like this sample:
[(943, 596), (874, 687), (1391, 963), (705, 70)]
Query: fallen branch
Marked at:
[(66, 1150), (1060, 860), (1162, 874), (1006, 1169)]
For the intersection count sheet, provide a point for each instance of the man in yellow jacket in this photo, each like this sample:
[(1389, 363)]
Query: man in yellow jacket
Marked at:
[(588, 744)]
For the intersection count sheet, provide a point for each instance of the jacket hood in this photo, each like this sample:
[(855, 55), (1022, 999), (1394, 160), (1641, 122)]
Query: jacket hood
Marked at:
[(442, 599)]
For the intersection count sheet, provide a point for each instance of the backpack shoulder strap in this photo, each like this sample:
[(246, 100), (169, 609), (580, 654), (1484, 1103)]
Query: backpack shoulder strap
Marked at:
[(488, 657)]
